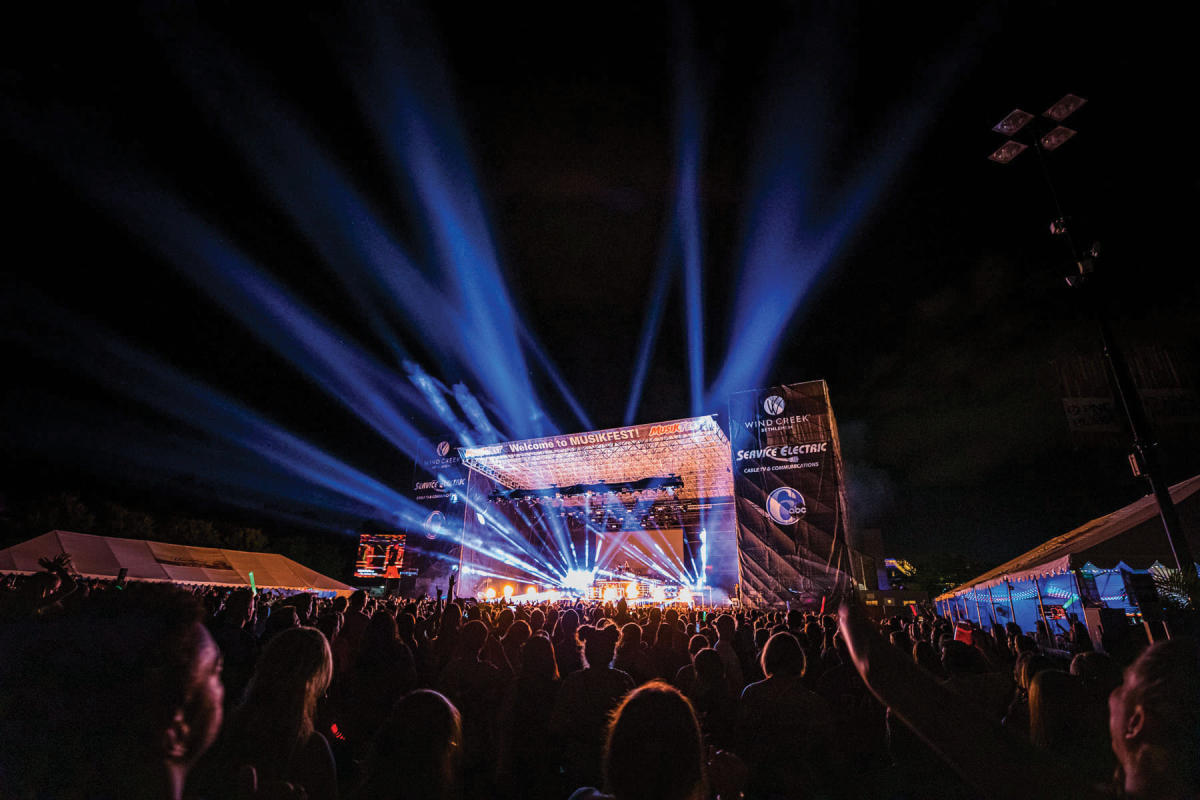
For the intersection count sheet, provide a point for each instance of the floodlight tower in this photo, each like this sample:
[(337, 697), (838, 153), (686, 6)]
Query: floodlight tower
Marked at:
[(1145, 459)]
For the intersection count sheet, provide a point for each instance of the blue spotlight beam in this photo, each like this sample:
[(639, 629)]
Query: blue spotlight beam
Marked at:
[(689, 139), (406, 95), (800, 218)]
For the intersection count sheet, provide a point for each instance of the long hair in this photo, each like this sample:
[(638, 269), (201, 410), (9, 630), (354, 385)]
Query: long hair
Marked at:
[(416, 755), (276, 717), (654, 749)]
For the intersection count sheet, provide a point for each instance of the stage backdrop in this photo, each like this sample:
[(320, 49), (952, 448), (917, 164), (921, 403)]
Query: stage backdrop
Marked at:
[(790, 493)]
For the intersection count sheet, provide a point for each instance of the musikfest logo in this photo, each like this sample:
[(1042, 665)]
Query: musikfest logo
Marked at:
[(785, 506), (773, 405), (433, 524)]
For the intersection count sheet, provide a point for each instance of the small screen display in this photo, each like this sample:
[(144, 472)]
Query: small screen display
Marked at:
[(380, 555)]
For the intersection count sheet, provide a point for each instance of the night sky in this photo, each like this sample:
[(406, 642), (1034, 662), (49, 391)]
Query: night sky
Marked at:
[(940, 319)]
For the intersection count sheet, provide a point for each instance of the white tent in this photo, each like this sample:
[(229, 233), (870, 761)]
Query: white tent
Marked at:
[(105, 556), (1128, 540)]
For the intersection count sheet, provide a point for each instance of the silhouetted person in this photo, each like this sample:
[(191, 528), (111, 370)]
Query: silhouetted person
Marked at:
[(586, 699), (418, 753), (117, 699), (273, 730)]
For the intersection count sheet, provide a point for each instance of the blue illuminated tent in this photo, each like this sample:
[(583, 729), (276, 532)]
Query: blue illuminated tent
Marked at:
[(1087, 561)]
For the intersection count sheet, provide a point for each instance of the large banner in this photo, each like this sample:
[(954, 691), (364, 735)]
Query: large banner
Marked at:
[(439, 482), (790, 493)]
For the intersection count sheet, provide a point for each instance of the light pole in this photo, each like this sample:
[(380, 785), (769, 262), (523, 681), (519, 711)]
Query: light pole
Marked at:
[(1145, 460)]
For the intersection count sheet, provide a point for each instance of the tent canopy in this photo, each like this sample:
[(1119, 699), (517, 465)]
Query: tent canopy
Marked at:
[(105, 556), (1131, 538)]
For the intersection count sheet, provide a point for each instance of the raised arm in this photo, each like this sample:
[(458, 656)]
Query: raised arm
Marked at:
[(975, 747)]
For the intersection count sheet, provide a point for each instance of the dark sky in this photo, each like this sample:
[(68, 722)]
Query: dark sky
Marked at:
[(942, 326)]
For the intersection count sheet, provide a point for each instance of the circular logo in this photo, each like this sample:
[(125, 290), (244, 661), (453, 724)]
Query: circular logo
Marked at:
[(433, 524), (443, 449), (773, 405), (786, 506)]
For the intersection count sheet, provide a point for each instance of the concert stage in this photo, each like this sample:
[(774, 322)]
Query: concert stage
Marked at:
[(759, 515), (650, 505)]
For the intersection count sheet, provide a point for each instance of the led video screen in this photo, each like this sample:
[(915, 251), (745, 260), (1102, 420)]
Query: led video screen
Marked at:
[(380, 555)]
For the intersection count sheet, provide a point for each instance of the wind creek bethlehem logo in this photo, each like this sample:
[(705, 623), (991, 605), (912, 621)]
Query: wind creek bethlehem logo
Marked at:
[(443, 449), (785, 506), (433, 524), (773, 405)]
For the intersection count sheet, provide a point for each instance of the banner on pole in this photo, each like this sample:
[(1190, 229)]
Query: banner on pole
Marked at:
[(790, 493)]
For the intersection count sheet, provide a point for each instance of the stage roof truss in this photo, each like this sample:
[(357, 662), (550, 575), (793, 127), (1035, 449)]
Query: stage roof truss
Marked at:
[(696, 450)]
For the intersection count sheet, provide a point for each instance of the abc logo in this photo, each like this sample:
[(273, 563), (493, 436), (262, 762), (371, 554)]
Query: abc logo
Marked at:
[(443, 449), (773, 405), (433, 524), (786, 506)]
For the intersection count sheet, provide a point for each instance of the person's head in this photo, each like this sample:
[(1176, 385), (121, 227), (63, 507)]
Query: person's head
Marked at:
[(726, 625), (599, 644), (654, 750), (783, 656), (1056, 703), (124, 692), (1154, 718), (1030, 667), (406, 625), (330, 624), (417, 753), (451, 619), (924, 656), (568, 622), (518, 633), (358, 601), (239, 607), (292, 674), (537, 620), (631, 637), (282, 618), (537, 658), (710, 670), (472, 638), (1097, 673), (696, 644)]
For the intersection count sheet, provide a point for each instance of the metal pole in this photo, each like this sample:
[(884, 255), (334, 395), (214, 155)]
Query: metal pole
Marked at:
[(1042, 609), (1011, 607), (1144, 443), (992, 606), (975, 597)]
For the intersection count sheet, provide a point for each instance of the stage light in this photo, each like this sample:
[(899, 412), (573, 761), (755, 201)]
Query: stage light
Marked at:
[(490, 594), (610, 594), (685, 596), (530, 592), (578, 579), (658, 594), (631, 591), (508, 590)]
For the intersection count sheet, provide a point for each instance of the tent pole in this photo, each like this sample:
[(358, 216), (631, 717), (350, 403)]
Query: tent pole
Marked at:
[(992, 598), (1042, 609), (978, 614), (1011, 607)]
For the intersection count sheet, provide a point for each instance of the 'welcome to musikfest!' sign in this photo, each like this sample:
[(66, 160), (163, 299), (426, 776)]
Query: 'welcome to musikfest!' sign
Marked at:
[(790, 494)]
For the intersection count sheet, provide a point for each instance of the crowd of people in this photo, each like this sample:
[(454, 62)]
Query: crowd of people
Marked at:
[(150, 690)]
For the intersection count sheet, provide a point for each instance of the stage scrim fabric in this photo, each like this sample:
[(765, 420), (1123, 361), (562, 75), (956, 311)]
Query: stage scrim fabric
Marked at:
[(789, 489)]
